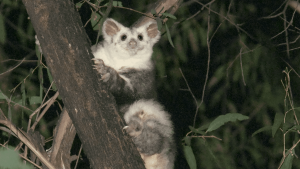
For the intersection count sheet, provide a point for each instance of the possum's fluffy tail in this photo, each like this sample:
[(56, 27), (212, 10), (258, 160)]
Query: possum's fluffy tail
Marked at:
[(152, 132)]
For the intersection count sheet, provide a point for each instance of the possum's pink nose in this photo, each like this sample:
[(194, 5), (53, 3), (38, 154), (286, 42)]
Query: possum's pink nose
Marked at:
[(132, 44)]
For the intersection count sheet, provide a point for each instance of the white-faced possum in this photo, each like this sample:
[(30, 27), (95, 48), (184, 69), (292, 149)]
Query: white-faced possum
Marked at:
[(151, 130), (124, 60)]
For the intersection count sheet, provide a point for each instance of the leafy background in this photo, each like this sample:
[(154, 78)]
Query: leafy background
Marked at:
[(252, 71)]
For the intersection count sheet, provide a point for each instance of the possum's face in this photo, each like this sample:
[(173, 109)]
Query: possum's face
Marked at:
[(132, 42), (135, 125)]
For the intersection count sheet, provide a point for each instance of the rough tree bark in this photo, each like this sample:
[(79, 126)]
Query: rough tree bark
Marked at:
[(90, 106)]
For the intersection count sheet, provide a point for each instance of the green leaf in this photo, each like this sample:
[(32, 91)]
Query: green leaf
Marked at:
[(9, 114), (117, 3), (199, 130), (169, 15), (262, 129), (51, 80), (37, 51), (212, 154), (18, 102), (190, 157), (2, 30), (222, 119), (30, 74), (297, 127), (204, 127), (10, 159), (2, 95), (187, 140), (153, 11), (35, 100), (40, 73), (120, 4), (169, 36), (159, 23), (161, 10), (78, 5), (277, 122), (287, 126), (41, 92), (95, 19), (288, 161)]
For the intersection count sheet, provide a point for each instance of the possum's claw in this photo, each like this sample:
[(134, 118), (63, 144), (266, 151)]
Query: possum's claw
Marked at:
[(124, 130), (105, 77), (102, 69), (97, 60)]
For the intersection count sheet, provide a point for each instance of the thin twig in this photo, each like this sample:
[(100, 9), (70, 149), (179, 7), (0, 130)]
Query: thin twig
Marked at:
[(99, 7), (219, 26), (286, 32), (36, 111), (241, 63), (292, 68), (78, 156), (207, 137), (208, 63), (30, 161), (16, 60), (230, 21), (286, 27), (272, 14), (13, 67), (189, 89), (52, 100), (290, 152), (13, 90)]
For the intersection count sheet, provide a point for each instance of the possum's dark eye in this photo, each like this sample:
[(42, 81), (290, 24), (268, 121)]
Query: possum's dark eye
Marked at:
[(140, 37), (123, 37)]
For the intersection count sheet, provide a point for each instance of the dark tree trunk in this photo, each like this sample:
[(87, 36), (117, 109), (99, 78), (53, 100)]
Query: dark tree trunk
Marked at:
[(91, 108)]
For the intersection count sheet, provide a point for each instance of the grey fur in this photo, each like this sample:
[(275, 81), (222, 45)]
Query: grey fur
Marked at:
[(143, 83), (125, 64), (152, 132)]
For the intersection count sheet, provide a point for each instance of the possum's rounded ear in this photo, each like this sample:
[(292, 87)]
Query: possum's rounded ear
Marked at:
[(110, 28), (152, 31)]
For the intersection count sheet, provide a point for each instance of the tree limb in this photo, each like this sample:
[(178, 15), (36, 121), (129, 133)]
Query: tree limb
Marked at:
[(90, 106)]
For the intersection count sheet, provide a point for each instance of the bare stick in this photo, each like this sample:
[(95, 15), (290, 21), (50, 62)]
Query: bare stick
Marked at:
[(52, 100), (12, 68), (208, 62), (241, 63)]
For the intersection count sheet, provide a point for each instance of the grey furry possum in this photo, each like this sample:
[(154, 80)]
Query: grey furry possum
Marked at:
[(123, 59)]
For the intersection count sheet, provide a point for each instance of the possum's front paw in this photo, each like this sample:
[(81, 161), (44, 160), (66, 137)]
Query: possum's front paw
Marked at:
[(130, 131), (102, 69), (134, 129)]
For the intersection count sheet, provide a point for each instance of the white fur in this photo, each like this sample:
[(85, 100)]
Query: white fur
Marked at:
[(128, 83), (152, 110), (117, 54)]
